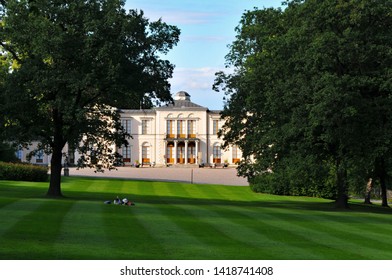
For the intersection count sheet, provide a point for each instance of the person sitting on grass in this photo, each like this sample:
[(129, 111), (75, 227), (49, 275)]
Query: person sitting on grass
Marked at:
[(117, 201)]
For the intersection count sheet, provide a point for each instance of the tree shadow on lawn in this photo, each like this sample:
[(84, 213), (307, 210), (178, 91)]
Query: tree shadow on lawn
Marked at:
[(18, 190), (262, 203)]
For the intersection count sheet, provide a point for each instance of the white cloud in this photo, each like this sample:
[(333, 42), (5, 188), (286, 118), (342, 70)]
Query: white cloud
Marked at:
[(206, 38), (198, 83), (194, 78), (182, 17)]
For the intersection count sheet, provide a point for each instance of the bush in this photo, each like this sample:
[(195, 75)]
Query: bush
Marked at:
[(279, 185), (23, 172), (297, 177)]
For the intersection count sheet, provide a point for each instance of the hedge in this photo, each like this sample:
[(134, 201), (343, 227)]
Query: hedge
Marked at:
[(23, 172)]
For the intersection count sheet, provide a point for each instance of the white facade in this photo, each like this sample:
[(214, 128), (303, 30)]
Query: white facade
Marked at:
[(182, 133)]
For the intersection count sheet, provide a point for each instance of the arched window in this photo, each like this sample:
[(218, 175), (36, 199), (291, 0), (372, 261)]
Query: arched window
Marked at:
[(146, 153)]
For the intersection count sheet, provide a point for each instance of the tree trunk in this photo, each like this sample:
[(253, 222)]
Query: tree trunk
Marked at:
[(384, 194), (382, 175), (341, 181), (55, 173), (57, 155), (369, 188)]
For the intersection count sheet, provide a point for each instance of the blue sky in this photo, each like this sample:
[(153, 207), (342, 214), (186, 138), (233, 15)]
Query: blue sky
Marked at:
[(207, 28)]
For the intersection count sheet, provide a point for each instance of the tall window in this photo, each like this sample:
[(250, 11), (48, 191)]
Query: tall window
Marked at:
[(39, 156), (235, 154), (19, 153), (192, 129), (145, 126), (181, 129), (215, 127), (126, 124), (191, 154), (216, 151), (170, 128), (146, 153), (170, 153), (71, 156), (126, 153)]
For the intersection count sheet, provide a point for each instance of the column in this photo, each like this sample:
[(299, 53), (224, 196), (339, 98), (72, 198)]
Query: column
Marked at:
[(197, 151), (175, 151), (165, 152), (186, 151)]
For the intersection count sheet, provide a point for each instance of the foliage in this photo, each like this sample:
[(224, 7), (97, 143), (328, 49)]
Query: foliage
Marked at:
[(7, 152), (316, 179), (72, 63), (23, 172), (312, 81)]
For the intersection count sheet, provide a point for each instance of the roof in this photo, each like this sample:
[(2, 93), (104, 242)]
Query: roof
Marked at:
[(181, 102), (181, 105)]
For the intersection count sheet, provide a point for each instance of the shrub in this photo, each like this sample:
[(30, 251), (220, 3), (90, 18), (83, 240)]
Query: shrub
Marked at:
[(297, 177), (23, 172)]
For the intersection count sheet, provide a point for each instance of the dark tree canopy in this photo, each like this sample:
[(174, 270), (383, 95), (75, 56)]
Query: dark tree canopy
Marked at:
[(70, 65), (309, 102)]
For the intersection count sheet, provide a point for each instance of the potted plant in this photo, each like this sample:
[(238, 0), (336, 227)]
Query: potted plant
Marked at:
[(137, 164), (226, 163)]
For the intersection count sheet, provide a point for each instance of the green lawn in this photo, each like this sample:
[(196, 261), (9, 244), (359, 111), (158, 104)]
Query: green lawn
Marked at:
[(183, 221)]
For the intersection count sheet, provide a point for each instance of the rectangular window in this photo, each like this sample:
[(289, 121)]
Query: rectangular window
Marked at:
[(181, 129), (191, 129), (19, 153), (170, 153), (39, 156), (71, 156), (126, 124), (170, 129), (235, 154), (191, 154), (145, 126), (216, 153), (126, 153), (215, 127)]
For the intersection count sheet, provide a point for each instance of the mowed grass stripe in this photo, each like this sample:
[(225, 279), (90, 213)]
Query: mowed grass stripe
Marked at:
[(168, 227), (325, 241), (82, 233), (372, 223), (203, 227), (298, 242), (127, 236), (355, 236), (14, 211), (274, 230), (254, 239), (237, 240), (35, 234), (183, 221)]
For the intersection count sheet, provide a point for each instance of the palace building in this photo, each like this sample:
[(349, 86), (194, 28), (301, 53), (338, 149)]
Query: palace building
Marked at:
[(182, 133)]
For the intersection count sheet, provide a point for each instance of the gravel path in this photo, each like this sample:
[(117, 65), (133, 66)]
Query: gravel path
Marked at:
[(222, 176)]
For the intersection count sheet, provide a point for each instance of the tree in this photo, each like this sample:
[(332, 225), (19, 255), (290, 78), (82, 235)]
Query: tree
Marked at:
[(305, 89), (7, 153), (74, 63)]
